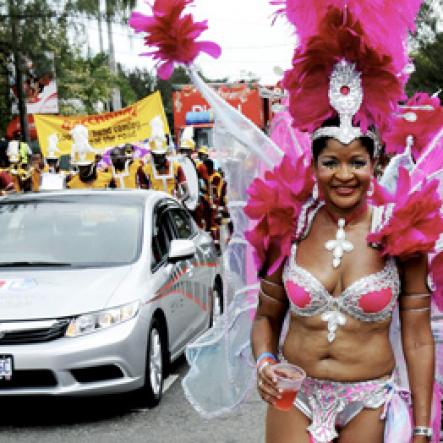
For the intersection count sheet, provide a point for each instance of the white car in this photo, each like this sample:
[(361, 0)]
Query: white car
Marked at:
[(100, 291)]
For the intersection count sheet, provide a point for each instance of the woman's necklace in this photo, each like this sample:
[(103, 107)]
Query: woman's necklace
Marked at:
[(340, 245)]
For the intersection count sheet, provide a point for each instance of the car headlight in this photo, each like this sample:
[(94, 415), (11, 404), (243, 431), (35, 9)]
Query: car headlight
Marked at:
[(96, 321)]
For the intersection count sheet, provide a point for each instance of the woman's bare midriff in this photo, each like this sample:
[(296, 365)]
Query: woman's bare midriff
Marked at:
[(360, 351)]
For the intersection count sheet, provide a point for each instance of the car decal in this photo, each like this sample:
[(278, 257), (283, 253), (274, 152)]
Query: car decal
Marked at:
[(175, 287), (17, 284)]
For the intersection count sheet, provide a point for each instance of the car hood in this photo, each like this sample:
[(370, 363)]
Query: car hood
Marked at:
[(44, 294)]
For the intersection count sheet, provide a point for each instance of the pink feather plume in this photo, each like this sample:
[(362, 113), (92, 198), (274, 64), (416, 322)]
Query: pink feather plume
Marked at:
[(430, 160), (416, 222), (436, 269), (173, 34), (422, 124), (386, 22), (340, 37), (275, 202)]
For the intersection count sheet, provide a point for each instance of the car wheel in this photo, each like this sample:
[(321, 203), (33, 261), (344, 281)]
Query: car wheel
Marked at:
[(217, 304), (151, 392)]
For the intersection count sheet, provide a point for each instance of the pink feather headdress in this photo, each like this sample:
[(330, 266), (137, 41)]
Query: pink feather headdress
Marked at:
[(421, 118), (369, 35), (174, 35)]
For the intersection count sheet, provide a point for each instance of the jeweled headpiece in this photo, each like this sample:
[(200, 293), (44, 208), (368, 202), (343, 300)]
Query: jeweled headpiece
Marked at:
[(346, 96), (351, 61)]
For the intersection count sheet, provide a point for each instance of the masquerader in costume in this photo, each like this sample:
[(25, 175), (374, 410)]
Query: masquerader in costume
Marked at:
[(83, 157), (163, 174), (344, 269), (339, 257), (127, 173)]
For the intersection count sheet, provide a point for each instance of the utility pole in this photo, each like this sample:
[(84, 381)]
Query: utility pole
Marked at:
[(116, 102), (18, 73)]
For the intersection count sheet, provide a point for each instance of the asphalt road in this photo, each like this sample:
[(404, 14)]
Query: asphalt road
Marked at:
[(113, 419)]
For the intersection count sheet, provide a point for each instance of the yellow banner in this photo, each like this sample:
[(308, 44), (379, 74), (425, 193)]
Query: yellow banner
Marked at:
[(127, 125)]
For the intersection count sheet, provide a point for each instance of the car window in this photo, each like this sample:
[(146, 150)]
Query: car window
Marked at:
[(183, 223), (161, 238)]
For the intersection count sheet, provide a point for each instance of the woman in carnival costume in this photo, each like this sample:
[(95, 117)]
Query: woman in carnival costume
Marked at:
[(344, 259)]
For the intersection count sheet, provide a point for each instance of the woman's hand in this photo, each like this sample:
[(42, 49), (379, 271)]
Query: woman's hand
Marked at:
[(267, 385), (420, 439)]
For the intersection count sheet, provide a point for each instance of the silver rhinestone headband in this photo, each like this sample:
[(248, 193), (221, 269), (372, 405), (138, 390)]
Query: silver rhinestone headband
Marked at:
[(346, 97)]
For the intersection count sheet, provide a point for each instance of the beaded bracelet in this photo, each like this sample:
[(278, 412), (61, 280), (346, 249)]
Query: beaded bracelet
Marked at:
[(266, 355)]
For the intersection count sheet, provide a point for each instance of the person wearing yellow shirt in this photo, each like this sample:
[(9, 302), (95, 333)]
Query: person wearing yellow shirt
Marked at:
[(88, 176), (161, 173), (127, 173)]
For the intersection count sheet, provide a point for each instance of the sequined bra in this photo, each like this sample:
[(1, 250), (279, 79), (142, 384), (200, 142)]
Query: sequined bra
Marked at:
[(370, 299)]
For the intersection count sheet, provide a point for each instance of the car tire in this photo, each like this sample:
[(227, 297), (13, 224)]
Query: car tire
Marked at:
[(151, 392), (217, 307)]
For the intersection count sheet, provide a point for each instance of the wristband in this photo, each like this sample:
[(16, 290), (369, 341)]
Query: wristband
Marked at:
[(265, 355), (423, 430)]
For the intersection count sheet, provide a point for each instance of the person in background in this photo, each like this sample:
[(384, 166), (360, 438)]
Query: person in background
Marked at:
[(161, 173), (214, 200), (203, 153), (127, 173), (88, 176), (6, 183)]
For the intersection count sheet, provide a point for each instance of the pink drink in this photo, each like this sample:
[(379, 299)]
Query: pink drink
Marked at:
[(289, 380)]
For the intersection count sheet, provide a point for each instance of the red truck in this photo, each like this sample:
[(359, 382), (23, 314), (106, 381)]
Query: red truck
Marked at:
[(191, 109)]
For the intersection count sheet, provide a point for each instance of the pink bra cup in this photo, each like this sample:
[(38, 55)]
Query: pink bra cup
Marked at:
[(376, 301), (370, 303), (297, 295)]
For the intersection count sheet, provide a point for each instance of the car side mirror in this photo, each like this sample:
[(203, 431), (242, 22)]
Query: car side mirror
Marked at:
[(181, 250)]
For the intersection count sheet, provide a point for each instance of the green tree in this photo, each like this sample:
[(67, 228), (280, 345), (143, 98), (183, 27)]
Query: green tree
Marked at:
[(428, 75), (427, 51), (85, 80)]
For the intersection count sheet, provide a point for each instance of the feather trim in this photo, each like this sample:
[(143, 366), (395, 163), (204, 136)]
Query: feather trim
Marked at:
[(413, 223), (421, 117), (275, 203), (341, 37), (386, 22), (173, 35)]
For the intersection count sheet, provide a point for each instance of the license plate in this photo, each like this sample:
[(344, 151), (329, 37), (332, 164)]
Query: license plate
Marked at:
[(6, 367)]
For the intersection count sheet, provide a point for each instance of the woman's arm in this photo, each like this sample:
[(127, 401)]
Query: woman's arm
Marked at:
[(418, 343), (266, 329)]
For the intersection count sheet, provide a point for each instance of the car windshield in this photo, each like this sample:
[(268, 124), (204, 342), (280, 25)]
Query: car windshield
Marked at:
[(71, 232)]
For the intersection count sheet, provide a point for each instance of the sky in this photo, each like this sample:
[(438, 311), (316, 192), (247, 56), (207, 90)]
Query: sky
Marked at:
[(243, 28)]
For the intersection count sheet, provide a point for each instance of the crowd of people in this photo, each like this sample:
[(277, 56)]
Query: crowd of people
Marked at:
[(160, 170)]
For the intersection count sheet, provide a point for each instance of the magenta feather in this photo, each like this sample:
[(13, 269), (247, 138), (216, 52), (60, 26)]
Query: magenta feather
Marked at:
[(172, 35), (430, 161), (386, 22)]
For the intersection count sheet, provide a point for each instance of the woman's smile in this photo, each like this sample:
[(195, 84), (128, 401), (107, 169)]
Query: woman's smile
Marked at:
[(344, 190)]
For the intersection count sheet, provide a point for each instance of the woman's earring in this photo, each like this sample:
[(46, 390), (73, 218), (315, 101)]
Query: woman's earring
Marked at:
[(315, 193), (370, 191)]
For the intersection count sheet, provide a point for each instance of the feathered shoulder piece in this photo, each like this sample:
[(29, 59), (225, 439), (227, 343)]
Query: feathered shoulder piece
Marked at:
[(275, 202), (173, 34), (417, 123), (410, 221)]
